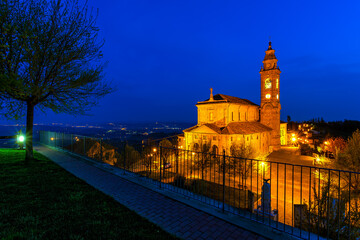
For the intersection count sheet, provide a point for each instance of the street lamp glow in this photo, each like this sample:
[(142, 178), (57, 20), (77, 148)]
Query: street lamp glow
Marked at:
[(21, 138), (293, 139), (154, 149)]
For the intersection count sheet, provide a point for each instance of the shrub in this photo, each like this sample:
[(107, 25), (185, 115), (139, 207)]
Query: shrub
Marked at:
[(179, 181)]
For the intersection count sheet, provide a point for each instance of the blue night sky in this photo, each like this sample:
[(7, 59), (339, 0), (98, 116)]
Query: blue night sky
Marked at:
[(163, 56)]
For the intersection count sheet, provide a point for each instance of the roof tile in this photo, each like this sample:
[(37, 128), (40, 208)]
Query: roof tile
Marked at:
[(245, 128), (230, 99), (235, 128)]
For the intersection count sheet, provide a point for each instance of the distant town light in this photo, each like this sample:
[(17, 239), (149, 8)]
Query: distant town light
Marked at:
[(52, 139), (154, 149), (326, 143)]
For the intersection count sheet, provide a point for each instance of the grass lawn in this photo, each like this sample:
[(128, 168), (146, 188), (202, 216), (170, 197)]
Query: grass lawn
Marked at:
[(43, 201)]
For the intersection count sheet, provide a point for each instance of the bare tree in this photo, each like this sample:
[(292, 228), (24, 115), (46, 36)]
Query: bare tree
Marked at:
[(240, 162), (49, 59), (202, 159), (167, 150)]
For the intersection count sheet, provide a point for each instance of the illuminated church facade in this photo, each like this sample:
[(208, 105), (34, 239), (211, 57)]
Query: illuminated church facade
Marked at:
[(225, 121)]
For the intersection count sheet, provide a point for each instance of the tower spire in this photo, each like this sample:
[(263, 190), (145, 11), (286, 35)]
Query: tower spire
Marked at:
[(211, 95)]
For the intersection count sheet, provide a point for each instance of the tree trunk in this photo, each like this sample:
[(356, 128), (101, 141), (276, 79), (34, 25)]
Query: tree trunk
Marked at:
[(29, 132)]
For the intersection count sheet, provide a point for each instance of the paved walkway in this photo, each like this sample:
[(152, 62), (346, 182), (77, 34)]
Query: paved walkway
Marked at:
[(172, 216)]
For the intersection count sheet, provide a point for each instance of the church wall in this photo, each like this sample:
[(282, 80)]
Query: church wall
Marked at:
[(260, 142), (213, 113), (222, 114)]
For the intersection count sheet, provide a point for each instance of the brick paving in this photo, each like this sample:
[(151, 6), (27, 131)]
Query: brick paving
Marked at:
[(174, 217)]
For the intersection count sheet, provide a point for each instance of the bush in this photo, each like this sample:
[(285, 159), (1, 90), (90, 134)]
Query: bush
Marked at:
[(179, 181)]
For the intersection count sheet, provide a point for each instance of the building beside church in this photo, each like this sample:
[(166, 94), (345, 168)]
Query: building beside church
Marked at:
[(225, 121)]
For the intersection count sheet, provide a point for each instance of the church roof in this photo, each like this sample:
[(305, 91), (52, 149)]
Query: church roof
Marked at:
[(209, 125), (235, 128), (245, 128), (220, 98)]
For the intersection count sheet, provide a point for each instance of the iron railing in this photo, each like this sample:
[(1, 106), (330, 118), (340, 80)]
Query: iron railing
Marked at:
[(305, 201)]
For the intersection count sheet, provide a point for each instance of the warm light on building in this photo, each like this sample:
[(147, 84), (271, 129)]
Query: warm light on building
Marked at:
[(240, 121), (263, 167)]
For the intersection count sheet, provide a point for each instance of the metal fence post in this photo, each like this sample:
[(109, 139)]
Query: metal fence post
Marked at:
[(84, 146), (101, 155), (160, 163), (177, 161), (71, 143), (223, 206), (124, 163), (151, 159), (62, 141)]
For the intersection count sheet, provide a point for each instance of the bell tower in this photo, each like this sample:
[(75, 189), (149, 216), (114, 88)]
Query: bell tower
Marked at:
[(270, 96)]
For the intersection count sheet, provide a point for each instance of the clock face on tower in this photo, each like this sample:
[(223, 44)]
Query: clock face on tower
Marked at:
[(268, 83)]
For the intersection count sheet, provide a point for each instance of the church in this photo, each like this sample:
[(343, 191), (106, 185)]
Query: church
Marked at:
[(225, 121)]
